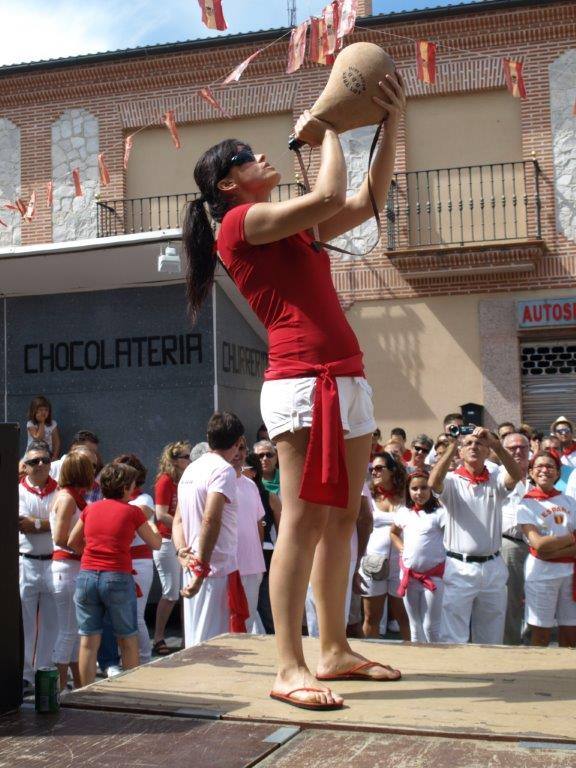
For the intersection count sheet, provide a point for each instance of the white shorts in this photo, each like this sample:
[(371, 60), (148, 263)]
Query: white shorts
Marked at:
[(169, 570), (286, 405), (548, 600)]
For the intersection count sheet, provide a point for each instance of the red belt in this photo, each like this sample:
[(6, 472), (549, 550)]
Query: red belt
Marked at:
[(62, 554)]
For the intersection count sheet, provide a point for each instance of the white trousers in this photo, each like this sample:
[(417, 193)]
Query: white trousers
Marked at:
[(474, 606), (424, 609), (251, 584), (311, 616), (169, 570), (206, 614), (38, 614), (144, 574), (64, 574)]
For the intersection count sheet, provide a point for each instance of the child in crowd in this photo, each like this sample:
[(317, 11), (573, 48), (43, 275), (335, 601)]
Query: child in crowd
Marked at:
[(418, 533), (41, 426)]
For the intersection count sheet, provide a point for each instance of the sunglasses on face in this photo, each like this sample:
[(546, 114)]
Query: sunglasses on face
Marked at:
[(182, 456), (267, 455), (248, 469), (563, 431), (420, 449), (37, 462), (242, 157)]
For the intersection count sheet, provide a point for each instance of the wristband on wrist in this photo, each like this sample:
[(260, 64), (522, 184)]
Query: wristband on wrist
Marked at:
[(199, 568)]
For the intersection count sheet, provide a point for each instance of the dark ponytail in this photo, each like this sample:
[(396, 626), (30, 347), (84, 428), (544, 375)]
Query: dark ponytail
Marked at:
[(197, 232)]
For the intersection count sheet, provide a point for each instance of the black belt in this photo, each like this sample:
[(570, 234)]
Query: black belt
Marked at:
[(512, 538), (472, 558), (35, 557)]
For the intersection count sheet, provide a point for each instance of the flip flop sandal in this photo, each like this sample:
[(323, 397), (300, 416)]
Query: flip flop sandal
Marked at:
[(287, 698), (161, 649), (357, 673)]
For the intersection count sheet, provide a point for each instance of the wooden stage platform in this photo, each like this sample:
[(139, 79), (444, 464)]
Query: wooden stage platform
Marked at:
[(456, 706)]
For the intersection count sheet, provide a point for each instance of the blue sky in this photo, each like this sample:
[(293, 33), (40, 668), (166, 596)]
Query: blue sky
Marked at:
[(36, 29)]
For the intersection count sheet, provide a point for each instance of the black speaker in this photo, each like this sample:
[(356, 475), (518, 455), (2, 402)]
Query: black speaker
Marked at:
[(473, 413), (11, 636)]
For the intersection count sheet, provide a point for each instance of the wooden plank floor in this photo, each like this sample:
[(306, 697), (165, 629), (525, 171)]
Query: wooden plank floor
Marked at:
[(88, 739), (494, 692)]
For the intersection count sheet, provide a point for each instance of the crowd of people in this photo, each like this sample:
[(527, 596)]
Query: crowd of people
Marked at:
[(466, 537)]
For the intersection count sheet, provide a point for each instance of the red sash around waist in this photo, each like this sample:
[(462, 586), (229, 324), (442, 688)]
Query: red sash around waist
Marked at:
[(62, 554), (425, 578), (325, 477), (572, 560), (141, 552), (237, 603)]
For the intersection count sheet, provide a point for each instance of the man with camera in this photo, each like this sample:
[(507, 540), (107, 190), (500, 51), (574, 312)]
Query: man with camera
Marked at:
[(476, 576)]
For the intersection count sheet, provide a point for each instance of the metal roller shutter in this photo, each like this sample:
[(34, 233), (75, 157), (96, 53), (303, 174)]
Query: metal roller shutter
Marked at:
[(548, 382)]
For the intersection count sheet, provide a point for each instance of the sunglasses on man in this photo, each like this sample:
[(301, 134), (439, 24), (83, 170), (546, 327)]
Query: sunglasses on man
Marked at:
[(38, 461), (267, 455), (419, 449)]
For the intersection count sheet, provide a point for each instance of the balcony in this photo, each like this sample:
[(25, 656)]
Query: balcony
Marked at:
[(148, 214)]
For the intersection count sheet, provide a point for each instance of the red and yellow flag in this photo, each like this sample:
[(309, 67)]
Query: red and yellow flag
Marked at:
[(208, 96), (49, 193), (128, 144), (170, 121), (297, 48), (236, 74), (426, 61), (31, 207), (514, 78), (103, 170), (212, 14), (348, 12), (77, 186)]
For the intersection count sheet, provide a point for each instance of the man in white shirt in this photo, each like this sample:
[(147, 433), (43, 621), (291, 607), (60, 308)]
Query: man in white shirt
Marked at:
[(205, 534), (37, 492), (475, 577), (514, 548)]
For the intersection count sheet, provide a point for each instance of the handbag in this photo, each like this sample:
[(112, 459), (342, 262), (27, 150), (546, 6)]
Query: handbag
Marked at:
[(376, 566)]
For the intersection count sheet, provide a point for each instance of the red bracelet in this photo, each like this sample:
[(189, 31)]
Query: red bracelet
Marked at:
[(198, 567)]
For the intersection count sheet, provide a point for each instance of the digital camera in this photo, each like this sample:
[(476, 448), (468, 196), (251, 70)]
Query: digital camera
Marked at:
[(466, 429)]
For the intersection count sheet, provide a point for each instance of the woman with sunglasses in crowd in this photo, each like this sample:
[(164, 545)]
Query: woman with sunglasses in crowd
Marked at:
[(380, 567), (315, 376), (173, 461)]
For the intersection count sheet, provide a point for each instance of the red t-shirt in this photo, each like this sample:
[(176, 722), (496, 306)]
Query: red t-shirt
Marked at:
[(109, 527), (166, 495), (289, 286)]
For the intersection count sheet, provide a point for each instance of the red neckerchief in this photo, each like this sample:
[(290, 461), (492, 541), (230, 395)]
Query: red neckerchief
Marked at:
[(483, 477), (379, 490), (538, 493), (417, 508), (77, 496), (571, 448), (49, 488)]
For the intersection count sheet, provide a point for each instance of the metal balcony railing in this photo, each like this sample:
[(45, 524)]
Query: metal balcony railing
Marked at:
[(464, 205), (147, 214)]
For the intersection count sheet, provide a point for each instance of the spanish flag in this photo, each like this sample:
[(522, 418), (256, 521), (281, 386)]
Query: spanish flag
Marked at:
[(513, 77), (426, 61)]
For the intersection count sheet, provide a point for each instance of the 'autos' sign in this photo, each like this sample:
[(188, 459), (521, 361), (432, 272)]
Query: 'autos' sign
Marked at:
[(542, 313)]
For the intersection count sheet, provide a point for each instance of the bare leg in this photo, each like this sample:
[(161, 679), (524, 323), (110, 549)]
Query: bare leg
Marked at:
[(163, 611), (89, 645), (129, 651), (373, 610), (331, 570), (540, 636), (300, 530), (397, 611), (74, 668), (63, 675)]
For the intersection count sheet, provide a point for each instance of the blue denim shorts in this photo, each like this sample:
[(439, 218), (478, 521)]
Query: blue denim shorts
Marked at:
[(112, 592)]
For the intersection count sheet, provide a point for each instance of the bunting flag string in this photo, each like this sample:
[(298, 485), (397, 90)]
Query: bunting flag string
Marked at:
[(103, 170), (348, 13), (77, 185), (208, 96), (169, 120), (212, 14), (297, 48), (426, 61), (237, 73), (49, 193), (514, 78), (316, 44), (18, 205), (331, 41)]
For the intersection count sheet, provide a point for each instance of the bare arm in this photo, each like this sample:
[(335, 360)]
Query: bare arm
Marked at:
[(268, 222), (150, 536), (178, 538), (163, 516), (64, 509), (440, 469), (358, 207), (396, 538), (513, 472), (209, 532), (364, 526), (76, 539), (547, 547), (55, 443)]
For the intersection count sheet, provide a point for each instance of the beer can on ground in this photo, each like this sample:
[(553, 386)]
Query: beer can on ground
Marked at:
[(47, 692)]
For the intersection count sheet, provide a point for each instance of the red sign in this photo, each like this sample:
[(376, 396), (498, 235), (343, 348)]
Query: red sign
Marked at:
[(542, 313)]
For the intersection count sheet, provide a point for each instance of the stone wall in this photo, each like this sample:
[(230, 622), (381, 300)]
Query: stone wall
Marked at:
[(562, 72), (74, 145), (9, 181)]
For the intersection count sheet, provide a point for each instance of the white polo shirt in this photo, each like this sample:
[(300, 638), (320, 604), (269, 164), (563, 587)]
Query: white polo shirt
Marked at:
[(211, 474), (553, 517), (31, 504), (473, 514)]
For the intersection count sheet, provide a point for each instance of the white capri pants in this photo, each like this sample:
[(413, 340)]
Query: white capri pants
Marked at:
[(38, 614), (64, 574), (143, 577), (424, 609), (548, 600), (206, 614), (169, 570), (475, 598), (251, 583)]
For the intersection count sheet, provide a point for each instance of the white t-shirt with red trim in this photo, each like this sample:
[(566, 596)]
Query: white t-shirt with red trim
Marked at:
[(31, 504), (553, 517), (211, 474), (250, 512)]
